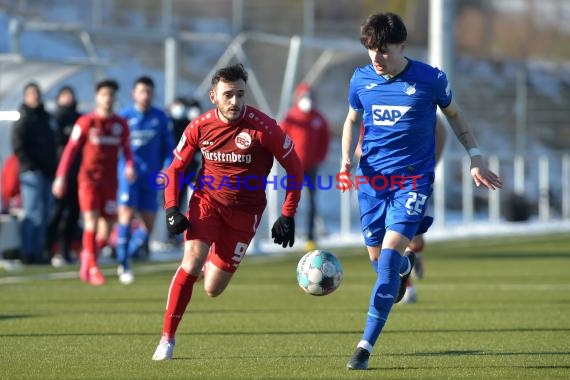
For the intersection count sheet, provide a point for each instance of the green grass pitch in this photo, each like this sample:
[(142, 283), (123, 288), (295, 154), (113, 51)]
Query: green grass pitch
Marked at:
[(488, 308)]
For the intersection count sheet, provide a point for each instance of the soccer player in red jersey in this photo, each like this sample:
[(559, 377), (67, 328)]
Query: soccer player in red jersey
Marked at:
[(238, 144), (99, 135)]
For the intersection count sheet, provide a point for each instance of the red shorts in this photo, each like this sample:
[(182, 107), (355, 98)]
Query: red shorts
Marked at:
[(227, 230), (98, 197)]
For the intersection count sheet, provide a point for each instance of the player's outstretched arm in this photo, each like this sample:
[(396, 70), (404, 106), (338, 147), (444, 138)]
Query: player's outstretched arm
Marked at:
[(479, 172), (176, 222), (130, 172), (283, 231), (346, 141), (358, 149), (283, 149), (74, 144), (352, 119)]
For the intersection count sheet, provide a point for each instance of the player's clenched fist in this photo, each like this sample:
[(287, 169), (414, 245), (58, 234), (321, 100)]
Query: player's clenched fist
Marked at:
[(283, 231), (176, 222), (58, 187)]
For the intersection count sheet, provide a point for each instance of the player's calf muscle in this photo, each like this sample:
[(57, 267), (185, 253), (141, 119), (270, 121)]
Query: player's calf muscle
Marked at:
[(195, 254), (215, 288)]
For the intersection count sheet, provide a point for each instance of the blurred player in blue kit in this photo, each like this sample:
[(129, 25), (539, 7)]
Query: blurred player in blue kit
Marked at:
[(397, 97), (152, 145)]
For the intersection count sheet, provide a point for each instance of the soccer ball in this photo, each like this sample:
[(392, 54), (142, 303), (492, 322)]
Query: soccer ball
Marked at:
[(319, 273)]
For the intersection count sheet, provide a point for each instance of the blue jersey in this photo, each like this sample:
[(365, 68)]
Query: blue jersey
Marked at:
[(151, 139), (399, 117)]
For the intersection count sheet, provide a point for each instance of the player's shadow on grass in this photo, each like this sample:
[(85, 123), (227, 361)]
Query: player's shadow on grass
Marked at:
[(208, 333), (15, 316), (265, 356), (448, 353), (514, 256), (90, 301), (463, 367), (455, 331), (476, 353), (280, 333)]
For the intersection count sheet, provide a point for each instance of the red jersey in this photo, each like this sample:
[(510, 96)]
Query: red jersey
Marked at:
[(10, 180), (237, 158), (310, 133), (100, 138)]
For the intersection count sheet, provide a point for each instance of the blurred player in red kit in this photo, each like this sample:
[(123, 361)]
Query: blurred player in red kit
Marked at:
[(100, 135), (238, 144), (310, 132)]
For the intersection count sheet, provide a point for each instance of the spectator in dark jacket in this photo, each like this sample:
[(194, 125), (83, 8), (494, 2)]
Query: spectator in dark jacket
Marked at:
[(33, 142), (310, 132), (63, 226), (182, 111)]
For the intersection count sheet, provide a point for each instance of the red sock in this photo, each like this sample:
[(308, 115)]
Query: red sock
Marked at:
[(179, 295), (90, 248)]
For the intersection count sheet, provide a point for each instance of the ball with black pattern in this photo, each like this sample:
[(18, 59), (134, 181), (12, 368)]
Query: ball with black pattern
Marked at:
[(319, 273)]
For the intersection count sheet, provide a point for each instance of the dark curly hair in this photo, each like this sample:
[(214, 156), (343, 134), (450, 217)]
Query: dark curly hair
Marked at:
[(231, 73)]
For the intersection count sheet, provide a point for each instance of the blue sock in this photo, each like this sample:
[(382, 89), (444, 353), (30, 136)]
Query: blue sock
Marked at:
[(403, 266), (137, 241), (123, 231), (383, 294)]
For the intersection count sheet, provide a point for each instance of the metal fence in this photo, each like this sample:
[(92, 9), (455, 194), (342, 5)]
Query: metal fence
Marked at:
[(517, 108)]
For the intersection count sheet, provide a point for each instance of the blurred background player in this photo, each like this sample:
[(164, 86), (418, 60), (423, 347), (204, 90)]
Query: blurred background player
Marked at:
[(237, 141), (11, 197), (99, 135), (33, 142), (182, 111), (152, 145), (397, 99), (310, 132), (63, 227)]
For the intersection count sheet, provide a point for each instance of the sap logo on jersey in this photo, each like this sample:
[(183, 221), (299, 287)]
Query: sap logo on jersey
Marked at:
[(243, 140), (388, 115)]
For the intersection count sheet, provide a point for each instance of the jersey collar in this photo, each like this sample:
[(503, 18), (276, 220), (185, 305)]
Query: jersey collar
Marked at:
[(389, 78)]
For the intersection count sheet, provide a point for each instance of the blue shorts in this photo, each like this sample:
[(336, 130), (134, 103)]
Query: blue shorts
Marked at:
[(138, 195), (401, 210), (425, 224)]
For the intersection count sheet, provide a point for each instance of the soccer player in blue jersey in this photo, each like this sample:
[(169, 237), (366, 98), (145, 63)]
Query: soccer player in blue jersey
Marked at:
[(396, 97), (152, 145)]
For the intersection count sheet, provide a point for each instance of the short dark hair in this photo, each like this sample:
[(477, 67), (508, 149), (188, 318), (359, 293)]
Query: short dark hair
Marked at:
[(146, 80), (231, 73), (380, 29), (67, 89), (33, 85), (110, 83)]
